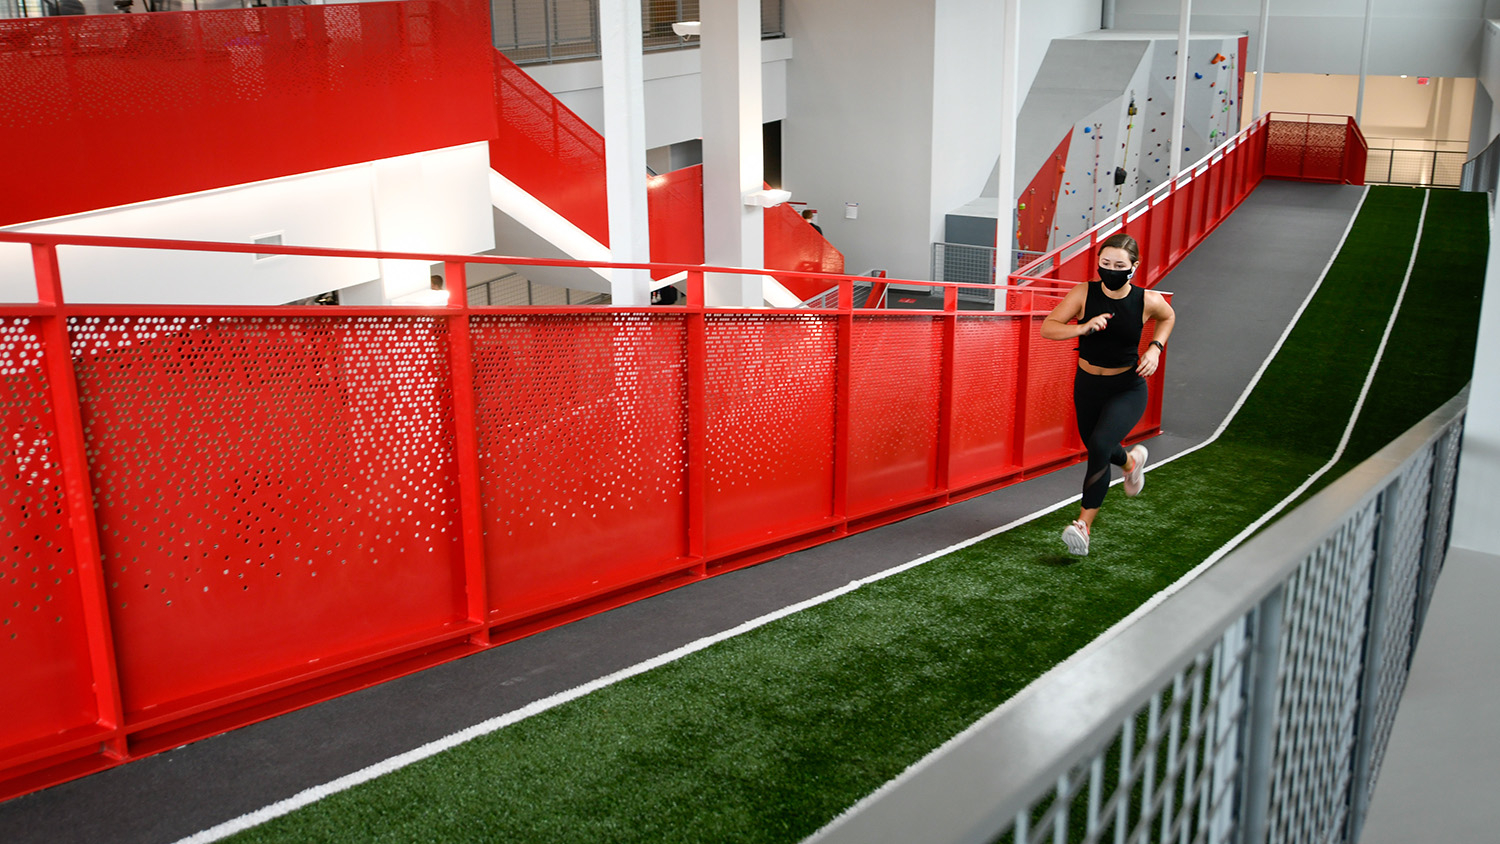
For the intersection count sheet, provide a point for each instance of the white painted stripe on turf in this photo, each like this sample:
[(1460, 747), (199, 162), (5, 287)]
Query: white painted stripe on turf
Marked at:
[(395, 763), (1280, 341), (1224, 550)]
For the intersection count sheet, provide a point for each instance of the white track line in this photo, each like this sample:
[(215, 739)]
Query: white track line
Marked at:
[(1177, 585), (395, 763)]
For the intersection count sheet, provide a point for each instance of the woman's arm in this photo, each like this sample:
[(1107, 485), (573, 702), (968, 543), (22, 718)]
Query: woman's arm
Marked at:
[(1156, 309), (1056, 326)]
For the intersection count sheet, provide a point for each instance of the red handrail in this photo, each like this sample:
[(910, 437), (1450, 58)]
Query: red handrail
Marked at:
[(363, 492), (1169, 221)]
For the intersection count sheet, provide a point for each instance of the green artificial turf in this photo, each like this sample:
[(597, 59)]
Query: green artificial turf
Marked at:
[(1430, 354), (767, 736)]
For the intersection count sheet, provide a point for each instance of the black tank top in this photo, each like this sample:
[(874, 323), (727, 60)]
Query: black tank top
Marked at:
[(1118, 344)]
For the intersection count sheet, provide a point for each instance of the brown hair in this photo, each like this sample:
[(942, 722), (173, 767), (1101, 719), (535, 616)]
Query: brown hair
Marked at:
[(1125, 242)]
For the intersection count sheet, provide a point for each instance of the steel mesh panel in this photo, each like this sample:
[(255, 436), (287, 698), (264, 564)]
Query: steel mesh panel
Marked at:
[(1378, 165), (1392, 662), (44, 655), (770, 396), (984, 397), (582, 428), (1448, 169), (1051, 430), (893, 409), (280, 487), (1445, 476), (1168, 773), (1323, 633)]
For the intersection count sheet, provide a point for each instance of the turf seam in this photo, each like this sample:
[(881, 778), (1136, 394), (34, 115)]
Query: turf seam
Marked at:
[(1180, 583)]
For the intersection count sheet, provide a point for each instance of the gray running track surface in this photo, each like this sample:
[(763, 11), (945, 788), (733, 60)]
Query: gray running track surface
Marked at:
[(1234, 297)]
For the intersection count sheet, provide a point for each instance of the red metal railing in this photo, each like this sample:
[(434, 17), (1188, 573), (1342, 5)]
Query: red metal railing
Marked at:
[(1169, 221), (555, 156), (1315, 148), (362, 492), (113, 109)]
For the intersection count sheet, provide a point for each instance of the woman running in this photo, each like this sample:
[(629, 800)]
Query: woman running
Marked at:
[(1109, 389)]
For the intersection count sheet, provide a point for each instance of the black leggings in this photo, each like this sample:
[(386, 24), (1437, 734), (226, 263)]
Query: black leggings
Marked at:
[(1108, 407)]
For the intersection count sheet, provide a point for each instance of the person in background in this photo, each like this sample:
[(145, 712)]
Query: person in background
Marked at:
[(811, 217)]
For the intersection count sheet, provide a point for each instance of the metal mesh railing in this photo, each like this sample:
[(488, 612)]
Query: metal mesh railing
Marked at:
[(544, 31), (513, 290), (1483, 172), (1254, 705), (1393, 161)]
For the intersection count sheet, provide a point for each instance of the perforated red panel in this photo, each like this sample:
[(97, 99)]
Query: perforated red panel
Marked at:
[(771, 426), (549, 151), (208, 99), (43, 650), (986, 353), (583, 453), (1051, 430), (1324, 156), (792, 244), (893, 421), (278, 489), (1302, 150), (1284, 142)]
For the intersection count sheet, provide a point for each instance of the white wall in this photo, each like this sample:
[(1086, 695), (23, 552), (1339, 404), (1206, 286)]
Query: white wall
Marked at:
[(435, 201), (1477, 502), (673, 90), (1415, 37), (898, 113), (859, 126), (1394, 107), (966, 88)]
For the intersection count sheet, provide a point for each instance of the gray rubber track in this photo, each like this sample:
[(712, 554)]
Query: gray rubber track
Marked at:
[(1234, 297)]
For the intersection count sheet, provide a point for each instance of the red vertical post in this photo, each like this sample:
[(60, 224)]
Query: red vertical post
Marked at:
[(697, 423), (62, 382), (1025, 304), (1155, 267), (947, 365), (695, 289), (466, 451), (843, 405)]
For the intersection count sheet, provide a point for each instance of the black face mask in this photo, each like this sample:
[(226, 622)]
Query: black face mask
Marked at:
[(1115, 279)]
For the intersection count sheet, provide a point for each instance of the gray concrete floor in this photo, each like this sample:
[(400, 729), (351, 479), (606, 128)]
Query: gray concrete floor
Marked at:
[(1441, 769)]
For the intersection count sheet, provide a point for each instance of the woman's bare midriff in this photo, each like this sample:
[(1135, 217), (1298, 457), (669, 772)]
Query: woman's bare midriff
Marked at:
[(1102, 370)]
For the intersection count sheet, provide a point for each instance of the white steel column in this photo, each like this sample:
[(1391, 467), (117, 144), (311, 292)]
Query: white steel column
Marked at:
[(625, 148), (733, 160), (1260, 58), (1179, 99), (1005, 217), (1364, 61)]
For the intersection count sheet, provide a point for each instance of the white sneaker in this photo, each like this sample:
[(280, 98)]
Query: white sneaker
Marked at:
[(1136, 477), (1076, 537)]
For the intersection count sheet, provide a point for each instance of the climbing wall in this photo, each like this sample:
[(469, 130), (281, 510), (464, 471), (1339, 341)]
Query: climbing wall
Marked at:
[(1122, 150), (1036, 211)]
